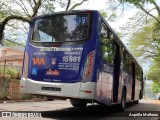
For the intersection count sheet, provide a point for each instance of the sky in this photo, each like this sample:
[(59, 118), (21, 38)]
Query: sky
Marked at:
[(103, 5)]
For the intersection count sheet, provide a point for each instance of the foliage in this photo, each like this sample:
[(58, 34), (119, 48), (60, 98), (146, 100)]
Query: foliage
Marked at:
[(1, 71), (24, 11), (140, 19), (26, 97), (155, 87), (10, 43), (75, 5), (145, 43), (154, 73), (12, 72), (110, 16), (144, 32), (136, 2), (103, 14)]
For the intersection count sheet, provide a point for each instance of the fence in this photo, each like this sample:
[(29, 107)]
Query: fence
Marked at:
[(9, 88), (3, 87), (10, 82)]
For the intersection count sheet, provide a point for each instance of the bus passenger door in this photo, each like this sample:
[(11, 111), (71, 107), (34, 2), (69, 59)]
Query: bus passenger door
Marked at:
[(133, 80), (116, 73), (105, 80)]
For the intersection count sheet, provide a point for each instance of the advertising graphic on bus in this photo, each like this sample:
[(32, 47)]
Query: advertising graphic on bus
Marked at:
[(76, 55)]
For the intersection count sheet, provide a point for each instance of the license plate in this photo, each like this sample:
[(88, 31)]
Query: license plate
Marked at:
[(51, 88)]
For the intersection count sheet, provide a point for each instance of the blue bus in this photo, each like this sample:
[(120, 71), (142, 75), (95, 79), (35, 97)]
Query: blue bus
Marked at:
[(76, 55)]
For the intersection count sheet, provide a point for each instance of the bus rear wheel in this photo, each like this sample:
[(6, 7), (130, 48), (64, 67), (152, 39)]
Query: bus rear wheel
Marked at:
[(79, 103), (123, 101), (140, 97)]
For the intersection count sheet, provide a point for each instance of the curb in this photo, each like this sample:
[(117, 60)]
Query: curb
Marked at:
[(15, 101)]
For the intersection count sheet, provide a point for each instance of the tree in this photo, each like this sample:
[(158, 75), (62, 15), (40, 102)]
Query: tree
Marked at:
[(141, 4), (154, 73), (74, 6), (24, 16), (144, 35), (144, 43), (141, 18), (155, 88), (26, 10)]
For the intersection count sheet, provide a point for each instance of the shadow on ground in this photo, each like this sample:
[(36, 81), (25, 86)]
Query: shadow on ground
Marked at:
[(91, 112)]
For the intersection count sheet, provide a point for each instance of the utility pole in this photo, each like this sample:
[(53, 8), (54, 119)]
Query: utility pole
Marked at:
[(5, 84), (4, 67)]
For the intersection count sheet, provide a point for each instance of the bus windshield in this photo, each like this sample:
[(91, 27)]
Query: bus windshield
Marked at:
[(61, 28)]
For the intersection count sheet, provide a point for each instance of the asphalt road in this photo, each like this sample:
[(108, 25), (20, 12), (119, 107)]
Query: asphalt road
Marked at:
[(62, 110)]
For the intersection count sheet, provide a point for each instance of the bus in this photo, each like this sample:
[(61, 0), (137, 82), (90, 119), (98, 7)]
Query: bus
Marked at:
[(76, 55)]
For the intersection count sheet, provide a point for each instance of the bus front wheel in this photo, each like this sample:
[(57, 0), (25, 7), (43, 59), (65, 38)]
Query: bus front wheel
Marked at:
[(79, 103)]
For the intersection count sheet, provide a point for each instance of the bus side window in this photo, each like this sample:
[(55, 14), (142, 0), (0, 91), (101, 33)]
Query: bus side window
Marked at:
[(107, 45), (138, 73), (124, 61), (127, 62)]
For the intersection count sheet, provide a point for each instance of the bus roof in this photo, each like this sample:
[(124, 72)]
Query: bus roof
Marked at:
[(65, 12)]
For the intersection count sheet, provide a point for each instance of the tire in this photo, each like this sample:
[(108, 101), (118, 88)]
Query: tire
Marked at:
[(78, 103), (140, 97), (50, 99), (123, 100), (136, 102)]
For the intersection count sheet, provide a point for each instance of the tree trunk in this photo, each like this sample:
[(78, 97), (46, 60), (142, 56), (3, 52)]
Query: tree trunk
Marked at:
[(5, 21)]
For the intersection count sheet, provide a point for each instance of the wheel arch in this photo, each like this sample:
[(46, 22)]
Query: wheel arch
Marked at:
[(140, 94), (124, 89)]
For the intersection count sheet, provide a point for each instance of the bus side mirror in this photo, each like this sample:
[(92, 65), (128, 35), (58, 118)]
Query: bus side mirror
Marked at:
[(144, 77), (31, 23)]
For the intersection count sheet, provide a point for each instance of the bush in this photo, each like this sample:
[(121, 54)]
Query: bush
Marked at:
[(1, 71), (12, 72)]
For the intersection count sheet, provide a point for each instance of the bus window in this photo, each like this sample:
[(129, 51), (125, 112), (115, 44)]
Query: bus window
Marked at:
[(107, 45), (138, 73), (127, 62), (61, 28), (124, 61)]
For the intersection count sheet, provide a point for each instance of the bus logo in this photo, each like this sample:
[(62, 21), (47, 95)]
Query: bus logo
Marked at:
[(38, 61), (54, 61), (52, 72)]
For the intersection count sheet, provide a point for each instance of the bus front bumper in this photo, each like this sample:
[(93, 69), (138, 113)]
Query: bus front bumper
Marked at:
[(68, 90)]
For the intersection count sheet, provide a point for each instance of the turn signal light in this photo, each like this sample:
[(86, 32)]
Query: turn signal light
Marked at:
[(25, 65)]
